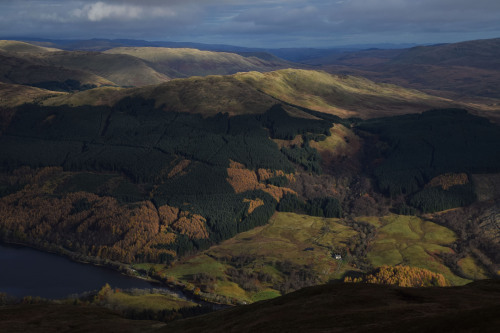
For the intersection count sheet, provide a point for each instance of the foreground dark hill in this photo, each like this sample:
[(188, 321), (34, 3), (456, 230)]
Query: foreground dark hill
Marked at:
[(327, 308), (361, 308)]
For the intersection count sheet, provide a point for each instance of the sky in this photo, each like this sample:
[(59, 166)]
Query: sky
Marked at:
[(255, 23)]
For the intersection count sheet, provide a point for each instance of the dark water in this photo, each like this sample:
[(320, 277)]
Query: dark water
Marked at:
[(28, 272)]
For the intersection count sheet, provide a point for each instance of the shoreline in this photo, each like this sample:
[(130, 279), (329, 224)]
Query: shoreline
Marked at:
[(176, 287)]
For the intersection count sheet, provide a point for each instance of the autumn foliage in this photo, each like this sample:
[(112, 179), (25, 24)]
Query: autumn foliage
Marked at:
[(243, 180), (402, 276), (192, 225), (448, 180), (90, 224)]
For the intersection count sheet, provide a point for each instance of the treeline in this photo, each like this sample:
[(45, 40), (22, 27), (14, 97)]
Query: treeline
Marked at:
[(323, 207), (133, 138), (434, 199), (305, 156), (420, 147), (50, 211), (205, 191), (127, 161), (131, 160), (423, 146), (142, 142), (283, 126)]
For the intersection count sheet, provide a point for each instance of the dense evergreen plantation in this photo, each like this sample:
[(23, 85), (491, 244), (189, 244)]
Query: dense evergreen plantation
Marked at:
[(419, 147), (135, 153), (168, 173)]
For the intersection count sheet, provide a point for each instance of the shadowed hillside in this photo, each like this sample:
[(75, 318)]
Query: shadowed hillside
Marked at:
[(122, 70), (335, 307), (29, 70), (360, 308)]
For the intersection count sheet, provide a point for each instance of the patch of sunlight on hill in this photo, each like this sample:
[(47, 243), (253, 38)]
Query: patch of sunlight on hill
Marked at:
[(13, 94), (289, 239), (412, 241), (97, 96), (22, 47), (342, 95), (254, 93)]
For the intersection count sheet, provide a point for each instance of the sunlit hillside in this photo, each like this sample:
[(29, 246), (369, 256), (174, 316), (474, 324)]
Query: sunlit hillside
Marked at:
[(183, 62), (255, 92)]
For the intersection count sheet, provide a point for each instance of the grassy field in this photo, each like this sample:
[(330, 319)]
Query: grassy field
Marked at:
[(300, 240), (412, 241), (470, 267), (309, 242)]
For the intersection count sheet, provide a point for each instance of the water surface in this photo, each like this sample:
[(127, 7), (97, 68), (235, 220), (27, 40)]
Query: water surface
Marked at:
[(28, 272)]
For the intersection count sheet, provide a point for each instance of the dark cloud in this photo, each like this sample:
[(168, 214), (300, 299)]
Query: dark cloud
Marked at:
[(255, 23)]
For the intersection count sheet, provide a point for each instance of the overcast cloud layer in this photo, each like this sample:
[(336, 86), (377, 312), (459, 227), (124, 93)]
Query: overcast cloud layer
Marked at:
[(259, 23)]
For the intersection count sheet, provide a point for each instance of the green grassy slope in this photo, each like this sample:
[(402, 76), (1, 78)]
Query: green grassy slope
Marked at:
[(345, 96)]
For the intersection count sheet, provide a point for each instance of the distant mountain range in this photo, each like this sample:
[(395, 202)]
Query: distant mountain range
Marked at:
[(291, 54), (459, 70)]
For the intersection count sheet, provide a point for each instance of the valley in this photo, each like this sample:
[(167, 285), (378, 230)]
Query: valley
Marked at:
[(243, 178)]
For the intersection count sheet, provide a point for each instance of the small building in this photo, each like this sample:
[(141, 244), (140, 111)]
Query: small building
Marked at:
[(337, 256)]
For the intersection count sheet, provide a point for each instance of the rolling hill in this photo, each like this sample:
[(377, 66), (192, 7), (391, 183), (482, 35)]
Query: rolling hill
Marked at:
[(12, 95), (476, 53), (184, 62), (30, 70), (467, 71), (12, 46), (243, 187), (122, 70), (255, 92)]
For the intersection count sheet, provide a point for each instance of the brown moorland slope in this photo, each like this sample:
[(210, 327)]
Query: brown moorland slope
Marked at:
[(361, 308), (467, 72)]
